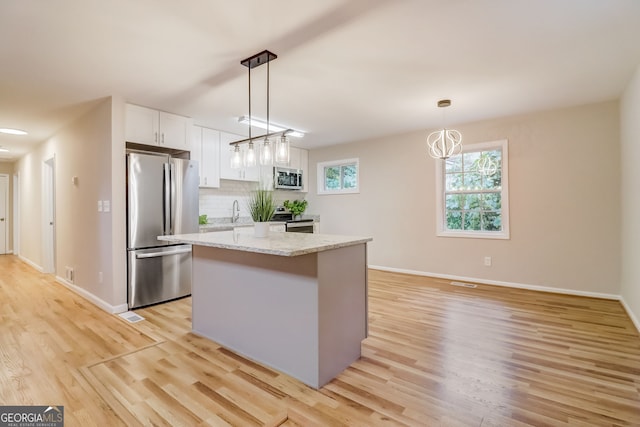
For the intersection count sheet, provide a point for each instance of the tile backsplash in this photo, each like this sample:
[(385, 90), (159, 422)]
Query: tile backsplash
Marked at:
[(218, 202)]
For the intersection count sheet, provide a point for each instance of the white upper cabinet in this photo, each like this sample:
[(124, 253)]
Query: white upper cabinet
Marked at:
[(211, 157), (205, 148), (152, 127)]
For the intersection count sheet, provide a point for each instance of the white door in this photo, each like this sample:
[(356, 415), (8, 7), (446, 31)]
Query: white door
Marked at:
[(4, 213), (48, 216)]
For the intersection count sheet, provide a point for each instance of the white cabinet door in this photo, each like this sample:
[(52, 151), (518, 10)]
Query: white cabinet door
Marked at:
[(304, 165), (196, 149), (175, 131), (294, 158), (142, 125), (210, 165), (152, 127)]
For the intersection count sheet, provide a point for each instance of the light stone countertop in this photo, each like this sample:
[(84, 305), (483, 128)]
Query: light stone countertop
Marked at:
[(277, 243)]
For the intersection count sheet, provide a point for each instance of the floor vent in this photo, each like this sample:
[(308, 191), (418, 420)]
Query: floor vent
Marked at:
[(131, 317), (464, 285)]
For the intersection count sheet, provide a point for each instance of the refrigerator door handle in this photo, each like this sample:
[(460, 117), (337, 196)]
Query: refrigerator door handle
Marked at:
[(174, 199), (166, 199), (163, 253)]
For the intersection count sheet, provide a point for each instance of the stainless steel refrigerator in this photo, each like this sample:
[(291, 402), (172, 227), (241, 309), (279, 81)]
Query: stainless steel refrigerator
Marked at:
[(162, 199)]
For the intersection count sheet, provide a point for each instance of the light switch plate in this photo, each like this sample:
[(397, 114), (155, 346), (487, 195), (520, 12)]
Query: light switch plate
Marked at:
[(106, 205), (99, 205)]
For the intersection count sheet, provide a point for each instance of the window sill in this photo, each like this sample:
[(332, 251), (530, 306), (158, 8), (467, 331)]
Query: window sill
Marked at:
[(503, 235)]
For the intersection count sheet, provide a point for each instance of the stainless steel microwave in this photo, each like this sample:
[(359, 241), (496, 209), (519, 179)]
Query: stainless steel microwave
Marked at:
[(287, 178)]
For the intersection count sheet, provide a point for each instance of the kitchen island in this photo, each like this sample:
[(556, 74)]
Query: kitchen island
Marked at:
[(293, 301)]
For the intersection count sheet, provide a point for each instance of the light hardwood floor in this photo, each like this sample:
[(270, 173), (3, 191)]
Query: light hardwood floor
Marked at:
[(437, 355)]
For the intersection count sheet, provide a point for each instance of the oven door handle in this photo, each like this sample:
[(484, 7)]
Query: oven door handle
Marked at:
[(163, 253)]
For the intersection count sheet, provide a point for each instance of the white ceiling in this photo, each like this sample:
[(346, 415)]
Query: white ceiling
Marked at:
[(346, 69)]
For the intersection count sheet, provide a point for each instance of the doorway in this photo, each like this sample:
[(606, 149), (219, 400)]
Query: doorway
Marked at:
[(4, 214), (48, 215)]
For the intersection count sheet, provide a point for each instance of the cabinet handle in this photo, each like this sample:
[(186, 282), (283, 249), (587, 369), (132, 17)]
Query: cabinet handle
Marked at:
[(205, 180), (155, 137), (163, 137)]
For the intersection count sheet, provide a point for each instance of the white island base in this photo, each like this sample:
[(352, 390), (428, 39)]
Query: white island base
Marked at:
[(303, 315)]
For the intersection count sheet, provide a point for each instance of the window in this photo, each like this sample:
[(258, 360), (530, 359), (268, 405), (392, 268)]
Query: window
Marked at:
[(338, 177), (472, 192)]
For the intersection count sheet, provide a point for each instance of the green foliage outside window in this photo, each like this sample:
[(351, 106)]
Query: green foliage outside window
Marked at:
[(473, 189), (340, 177)]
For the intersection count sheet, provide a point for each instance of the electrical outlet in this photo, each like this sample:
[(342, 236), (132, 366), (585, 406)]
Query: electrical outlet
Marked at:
[(100, 277), (99, 205), (69, 274), (487, 261)]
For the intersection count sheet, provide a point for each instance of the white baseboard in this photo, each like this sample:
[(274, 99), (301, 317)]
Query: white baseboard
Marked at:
[(31, 263), (113, 309), (499, 283), (632, 316)]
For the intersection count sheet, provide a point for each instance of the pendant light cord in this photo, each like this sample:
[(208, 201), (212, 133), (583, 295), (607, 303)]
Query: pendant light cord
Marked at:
[(268, 97), (249, 103)]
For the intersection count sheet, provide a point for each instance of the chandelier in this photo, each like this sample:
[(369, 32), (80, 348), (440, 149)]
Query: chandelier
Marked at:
[(270, 147), (444, 143)]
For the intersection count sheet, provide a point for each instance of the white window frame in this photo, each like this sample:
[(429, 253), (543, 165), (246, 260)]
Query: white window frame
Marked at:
[(441, 229), (344, 162)]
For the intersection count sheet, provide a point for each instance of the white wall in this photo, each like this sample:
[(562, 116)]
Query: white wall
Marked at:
[(86, 239), (630, 141), (564, 202)]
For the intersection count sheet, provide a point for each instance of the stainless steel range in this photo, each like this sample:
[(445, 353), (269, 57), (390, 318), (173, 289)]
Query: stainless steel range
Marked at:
[(299, 226)]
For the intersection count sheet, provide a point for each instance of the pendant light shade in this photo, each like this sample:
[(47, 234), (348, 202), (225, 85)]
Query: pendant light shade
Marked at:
[(266, 153), (236, 158), (282, 149), (444, 143), (250, 156)]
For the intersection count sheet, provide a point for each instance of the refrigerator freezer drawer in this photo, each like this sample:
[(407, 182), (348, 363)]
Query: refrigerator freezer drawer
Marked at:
[(158, 274)]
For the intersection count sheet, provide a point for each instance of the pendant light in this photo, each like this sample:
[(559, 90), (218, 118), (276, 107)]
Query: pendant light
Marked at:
[(266, 156), (444, 143), (266, 153), (263, 153), (236, 157), (250, 156), (282, 149)]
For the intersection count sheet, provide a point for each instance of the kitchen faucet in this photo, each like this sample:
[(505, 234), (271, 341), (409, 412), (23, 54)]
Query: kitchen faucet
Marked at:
[(235, 211)]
